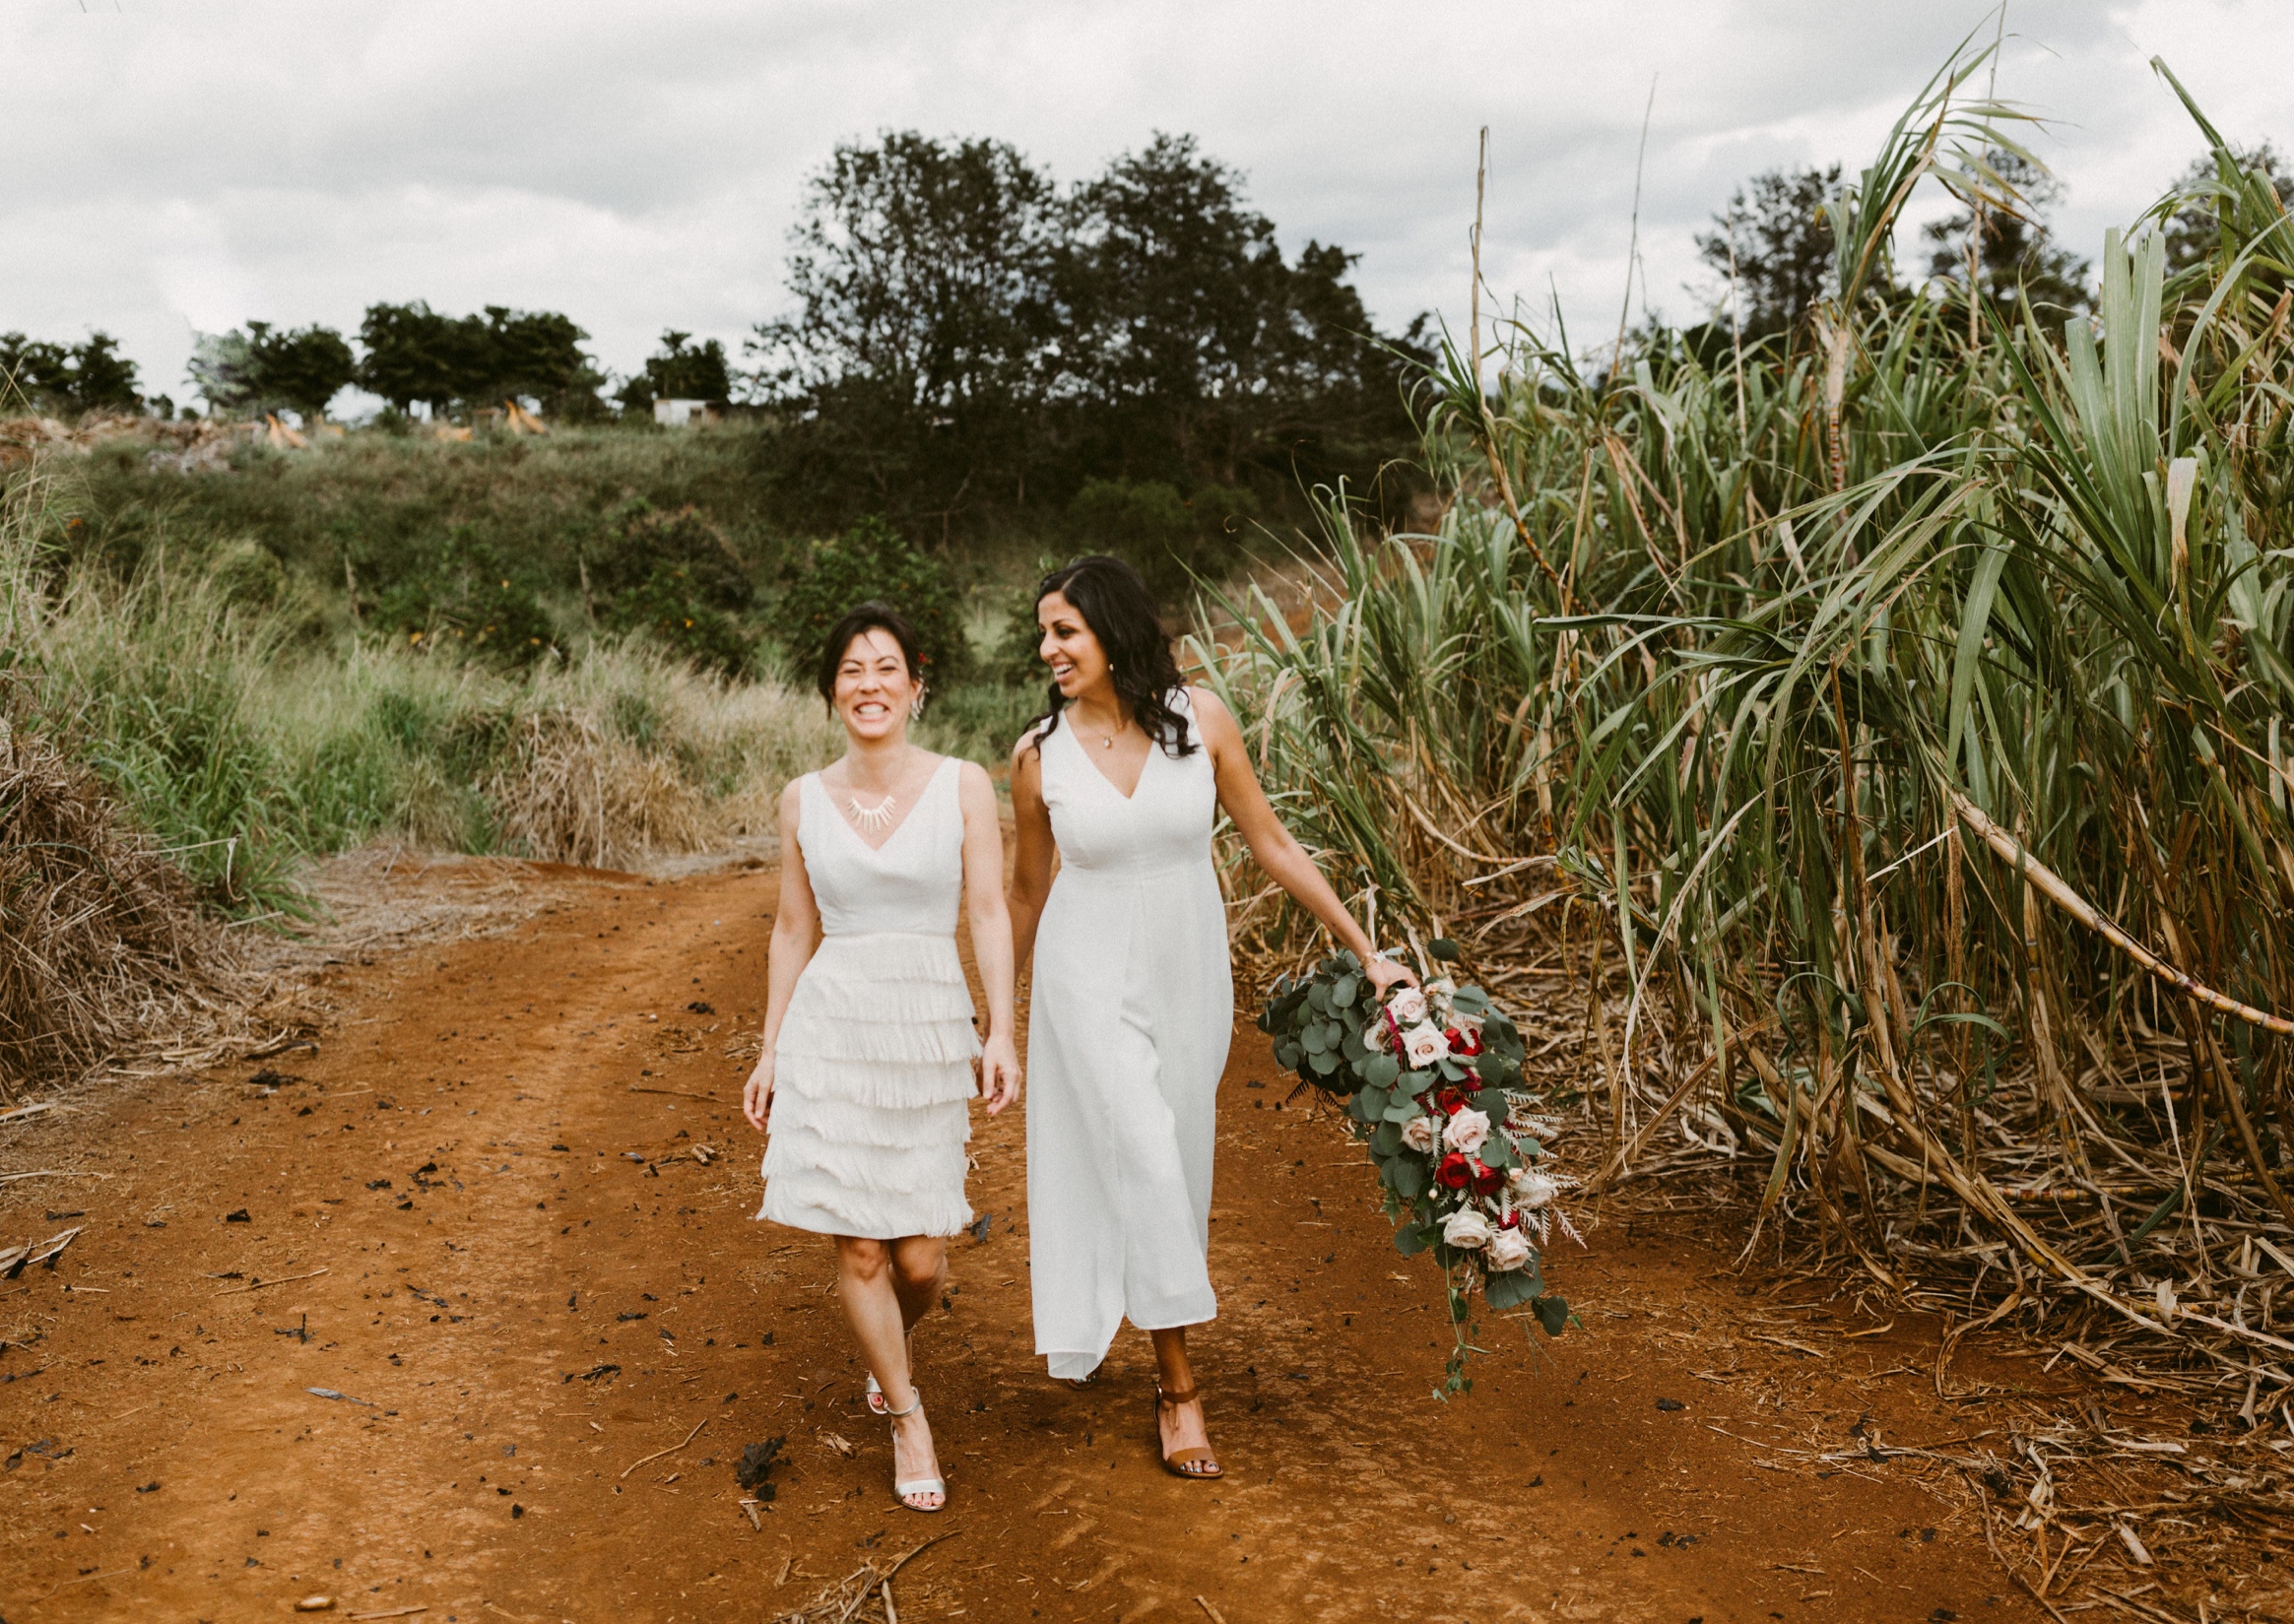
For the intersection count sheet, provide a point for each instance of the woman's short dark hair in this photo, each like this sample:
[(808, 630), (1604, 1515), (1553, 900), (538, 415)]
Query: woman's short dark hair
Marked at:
[(865, 618), (1121, 613)]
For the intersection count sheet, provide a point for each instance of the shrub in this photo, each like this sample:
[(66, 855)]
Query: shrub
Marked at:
[(674, 577), (1169, 539), (871, 559), (468, 597)]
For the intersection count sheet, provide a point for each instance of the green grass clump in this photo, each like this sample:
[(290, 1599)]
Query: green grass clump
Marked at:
[(243, 744)]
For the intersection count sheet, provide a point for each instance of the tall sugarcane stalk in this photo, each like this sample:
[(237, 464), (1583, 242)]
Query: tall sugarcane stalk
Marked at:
[(1734, 661)]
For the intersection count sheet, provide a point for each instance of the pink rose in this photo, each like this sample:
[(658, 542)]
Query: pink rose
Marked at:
[(1467, 1130), (1406, 1006), (1509, 1249), (1466, 1229), (1424, 1044), (1418, 1135)]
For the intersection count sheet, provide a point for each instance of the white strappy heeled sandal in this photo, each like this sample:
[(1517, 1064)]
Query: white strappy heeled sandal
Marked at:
[(875, 1394), (903, 1488)]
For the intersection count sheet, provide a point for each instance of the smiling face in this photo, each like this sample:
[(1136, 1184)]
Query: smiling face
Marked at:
[(1079, 664), (873, 686)]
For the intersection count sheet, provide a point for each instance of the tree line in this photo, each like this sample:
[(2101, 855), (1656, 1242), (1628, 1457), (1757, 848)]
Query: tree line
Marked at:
[(967, 337)]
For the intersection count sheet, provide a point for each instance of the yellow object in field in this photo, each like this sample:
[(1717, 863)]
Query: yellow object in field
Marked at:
[(281, 436), (518, 420)]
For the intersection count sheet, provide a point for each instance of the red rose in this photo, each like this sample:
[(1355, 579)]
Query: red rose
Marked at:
[(1449, 1101), (1488, 1181), (1511, 1220), (1454, 1171), (1467, 1044)]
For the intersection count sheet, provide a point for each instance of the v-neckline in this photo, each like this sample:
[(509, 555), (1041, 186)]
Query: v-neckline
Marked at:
[(932, 778), (1074, 738)]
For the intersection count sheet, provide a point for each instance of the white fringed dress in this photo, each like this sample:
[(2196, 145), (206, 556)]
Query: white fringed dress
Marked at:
[(1129, 1020), (875, 1058)]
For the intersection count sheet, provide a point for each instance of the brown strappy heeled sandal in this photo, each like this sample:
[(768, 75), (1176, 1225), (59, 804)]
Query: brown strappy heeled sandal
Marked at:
[(1196, 1463)]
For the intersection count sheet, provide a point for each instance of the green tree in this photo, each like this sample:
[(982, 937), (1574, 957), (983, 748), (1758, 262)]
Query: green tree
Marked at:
[(414, 354), (684, 370), (535, 355), (303, 368), (2194, 229), (911, 367), (32, 370), (76, 378), (2021, 264), (871, 559), (1197, 349), (1774, 243), (411, 355), (967, 337)]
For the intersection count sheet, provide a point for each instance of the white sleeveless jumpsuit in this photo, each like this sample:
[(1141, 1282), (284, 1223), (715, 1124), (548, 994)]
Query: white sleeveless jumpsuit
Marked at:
[(1130, 1013)]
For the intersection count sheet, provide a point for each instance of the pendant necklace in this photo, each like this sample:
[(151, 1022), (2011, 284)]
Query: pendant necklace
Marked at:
[(877, 818)]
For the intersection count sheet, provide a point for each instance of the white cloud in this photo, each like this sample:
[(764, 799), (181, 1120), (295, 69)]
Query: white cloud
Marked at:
[(175, 165)]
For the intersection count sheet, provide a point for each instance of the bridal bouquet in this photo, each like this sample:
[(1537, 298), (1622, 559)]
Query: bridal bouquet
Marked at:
[(1432, 1084)]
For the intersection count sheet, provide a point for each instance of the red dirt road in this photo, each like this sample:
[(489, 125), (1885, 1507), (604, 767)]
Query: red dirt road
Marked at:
[(520, 1280)]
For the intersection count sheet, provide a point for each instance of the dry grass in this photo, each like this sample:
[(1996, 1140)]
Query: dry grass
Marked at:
[(100, 936), (571, 793)]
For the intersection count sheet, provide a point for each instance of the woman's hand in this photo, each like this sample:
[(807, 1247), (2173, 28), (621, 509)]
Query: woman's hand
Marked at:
[(1385, 974), (757, 1097), (999, 1074)]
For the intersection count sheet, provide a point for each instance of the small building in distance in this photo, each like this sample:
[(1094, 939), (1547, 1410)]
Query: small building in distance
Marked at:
[(678, 414)]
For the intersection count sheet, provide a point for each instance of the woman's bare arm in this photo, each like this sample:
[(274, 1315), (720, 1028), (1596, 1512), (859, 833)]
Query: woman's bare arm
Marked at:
[(983, 859), (1276, 848), (1033, 850), (796, 936)]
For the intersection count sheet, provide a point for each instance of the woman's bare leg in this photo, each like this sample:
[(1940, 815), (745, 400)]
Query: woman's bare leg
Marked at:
[(868, 1280), (919, 1271), (1181, 1425)]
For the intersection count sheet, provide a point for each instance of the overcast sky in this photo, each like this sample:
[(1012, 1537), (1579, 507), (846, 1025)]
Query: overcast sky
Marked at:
[(181, 167)]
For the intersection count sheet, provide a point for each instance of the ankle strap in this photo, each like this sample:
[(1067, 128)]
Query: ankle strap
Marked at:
[(1171, 1396), (910, 1410)]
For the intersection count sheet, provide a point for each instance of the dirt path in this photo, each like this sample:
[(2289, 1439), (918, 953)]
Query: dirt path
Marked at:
[(518, 1278)]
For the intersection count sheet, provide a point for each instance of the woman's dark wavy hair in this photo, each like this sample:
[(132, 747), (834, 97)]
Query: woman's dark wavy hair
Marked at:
[(871, 616), (1121, 613)]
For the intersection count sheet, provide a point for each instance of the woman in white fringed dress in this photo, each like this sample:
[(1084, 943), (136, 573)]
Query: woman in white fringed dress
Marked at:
[(866, 1077), (1132, 1004)]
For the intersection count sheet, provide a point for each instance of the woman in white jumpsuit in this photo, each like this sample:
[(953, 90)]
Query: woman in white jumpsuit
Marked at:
[(1132, 1004)]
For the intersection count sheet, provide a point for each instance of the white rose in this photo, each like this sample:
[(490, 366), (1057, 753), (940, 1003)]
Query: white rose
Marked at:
[(1469, 1131), (1509, 1249), (1418, 1135), (1466, 1229), (1406, 1006), (1424, 1044), (1531, 1187)]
